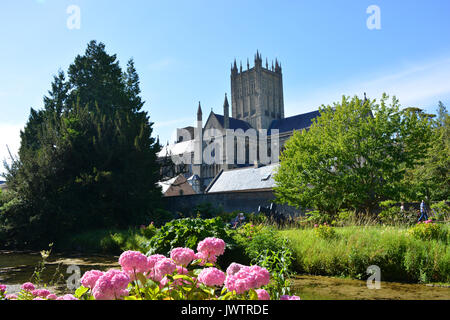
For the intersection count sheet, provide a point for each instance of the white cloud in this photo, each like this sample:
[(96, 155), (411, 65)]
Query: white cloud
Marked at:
[(418, 84), (9, 136)]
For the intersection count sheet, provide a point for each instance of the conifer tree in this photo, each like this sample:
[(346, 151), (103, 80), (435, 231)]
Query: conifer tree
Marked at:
[(88, 159)]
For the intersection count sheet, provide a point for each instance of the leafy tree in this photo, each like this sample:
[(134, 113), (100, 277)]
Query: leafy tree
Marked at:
[(431, 180), (352, 157), (87, 159)]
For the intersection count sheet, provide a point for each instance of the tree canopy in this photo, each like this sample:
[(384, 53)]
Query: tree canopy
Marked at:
[(87, 159), (353, 156)]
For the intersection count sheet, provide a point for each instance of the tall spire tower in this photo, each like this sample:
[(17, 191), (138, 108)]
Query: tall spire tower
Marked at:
[(257, 93)]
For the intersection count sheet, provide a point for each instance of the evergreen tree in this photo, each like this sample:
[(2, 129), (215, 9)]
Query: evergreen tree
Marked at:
[(87, 159)]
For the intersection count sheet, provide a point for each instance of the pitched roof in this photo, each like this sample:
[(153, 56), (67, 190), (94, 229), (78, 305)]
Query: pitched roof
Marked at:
[(234, 123), (244, 179), (177, 148), (298, 122)]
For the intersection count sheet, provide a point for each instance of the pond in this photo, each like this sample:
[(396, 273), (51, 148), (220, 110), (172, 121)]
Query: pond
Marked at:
[(18, 267), (329, 288)]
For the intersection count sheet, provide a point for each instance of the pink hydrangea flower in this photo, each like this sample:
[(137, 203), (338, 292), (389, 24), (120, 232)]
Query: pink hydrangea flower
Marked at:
[(234, 268), (182, 256), (67, 297), (262, 294), (89, 278), (2, 288), (262, 276), (52, 296), (247, 278), (206, 257), (111, 285), (286, 297), (163, 267), (211, 246), (28, 286), (151, 261), (211, 277), (43, 293), (133, 262), (11, 297)]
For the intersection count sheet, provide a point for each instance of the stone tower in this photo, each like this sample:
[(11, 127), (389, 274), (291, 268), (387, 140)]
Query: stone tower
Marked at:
[(257, 93)]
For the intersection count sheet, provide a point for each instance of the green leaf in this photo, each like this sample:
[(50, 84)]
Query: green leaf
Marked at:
[(184, 277), (80, 291), (253, 295)]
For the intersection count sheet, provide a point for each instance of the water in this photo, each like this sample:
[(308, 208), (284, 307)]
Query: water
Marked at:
[(17, 268), (330, 288)]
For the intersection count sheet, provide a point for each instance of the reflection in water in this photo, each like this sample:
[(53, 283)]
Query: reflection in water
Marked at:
[(17, 268), (328, 288)]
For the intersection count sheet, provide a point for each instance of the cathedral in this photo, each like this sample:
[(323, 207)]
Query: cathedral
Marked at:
[(257, 106)]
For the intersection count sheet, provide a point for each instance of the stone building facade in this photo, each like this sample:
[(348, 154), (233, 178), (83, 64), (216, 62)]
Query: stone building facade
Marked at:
[(256, 103), (257, 93)]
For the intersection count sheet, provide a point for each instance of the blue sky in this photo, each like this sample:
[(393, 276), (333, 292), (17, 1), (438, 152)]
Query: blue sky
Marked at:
[(183, 51)]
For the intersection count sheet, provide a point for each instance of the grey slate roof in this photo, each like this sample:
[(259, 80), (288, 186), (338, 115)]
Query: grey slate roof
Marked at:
[(244, 179), (234, 123), (298, 122)]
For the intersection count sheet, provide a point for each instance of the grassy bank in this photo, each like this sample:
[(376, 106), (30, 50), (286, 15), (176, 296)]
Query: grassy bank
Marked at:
[(400, 256), (103, 241)]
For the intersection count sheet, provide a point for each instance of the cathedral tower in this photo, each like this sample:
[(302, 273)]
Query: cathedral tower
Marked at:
[(257, 93)]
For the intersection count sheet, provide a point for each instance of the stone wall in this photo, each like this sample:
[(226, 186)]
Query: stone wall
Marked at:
[(247, 202)]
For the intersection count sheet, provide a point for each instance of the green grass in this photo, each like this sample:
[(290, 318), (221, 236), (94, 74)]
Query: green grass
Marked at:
[(400, 256), (104, 241)]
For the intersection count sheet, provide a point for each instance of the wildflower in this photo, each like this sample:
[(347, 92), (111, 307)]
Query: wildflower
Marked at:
[(89, 279), (211, 277), (262, 294), (182, 256)]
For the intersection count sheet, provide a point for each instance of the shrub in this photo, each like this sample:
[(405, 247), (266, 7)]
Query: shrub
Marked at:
[(391, 214), (186, 233), (428, 230), (325, 231), (441, 211)]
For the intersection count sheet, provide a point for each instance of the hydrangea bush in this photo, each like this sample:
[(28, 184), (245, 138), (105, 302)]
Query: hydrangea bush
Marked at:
[(185, 275)]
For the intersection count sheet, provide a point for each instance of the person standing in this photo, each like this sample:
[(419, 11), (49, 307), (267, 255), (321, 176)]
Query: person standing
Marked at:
[(423, 211)]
